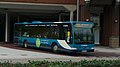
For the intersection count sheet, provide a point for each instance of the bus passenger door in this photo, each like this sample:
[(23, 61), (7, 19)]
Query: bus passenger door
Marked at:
[(65, 34)]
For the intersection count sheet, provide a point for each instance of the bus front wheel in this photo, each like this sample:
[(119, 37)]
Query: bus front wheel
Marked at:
[(25, 44), (54, 47)]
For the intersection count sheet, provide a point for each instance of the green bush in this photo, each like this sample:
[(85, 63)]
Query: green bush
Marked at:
[(82, 63)]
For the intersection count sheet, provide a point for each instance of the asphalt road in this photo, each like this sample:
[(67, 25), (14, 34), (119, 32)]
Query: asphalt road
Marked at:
[(19, 54)]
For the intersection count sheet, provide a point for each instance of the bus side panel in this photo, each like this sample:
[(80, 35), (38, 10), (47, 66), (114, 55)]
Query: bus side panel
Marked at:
[(17, 40), (30, 41), (39, 42)]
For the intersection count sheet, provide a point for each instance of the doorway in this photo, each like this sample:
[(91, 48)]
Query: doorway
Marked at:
[(2, 27)]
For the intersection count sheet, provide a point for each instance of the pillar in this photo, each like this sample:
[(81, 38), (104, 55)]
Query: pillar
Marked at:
[(59, 17), (71, 15), (114, 35), (78, 9), (87, 10), (7, 28), (71, 8), (81, 13), (84, 11), (18, 19)]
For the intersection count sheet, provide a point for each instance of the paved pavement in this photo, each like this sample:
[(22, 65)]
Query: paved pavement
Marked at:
[(8, 53), (107, 49), (23, 55)]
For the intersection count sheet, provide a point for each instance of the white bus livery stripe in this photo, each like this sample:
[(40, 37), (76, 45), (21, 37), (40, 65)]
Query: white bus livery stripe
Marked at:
[(65, 45), (58, 22)]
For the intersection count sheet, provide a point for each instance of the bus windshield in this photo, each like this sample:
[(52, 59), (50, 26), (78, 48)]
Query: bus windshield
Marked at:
[(83, 35)]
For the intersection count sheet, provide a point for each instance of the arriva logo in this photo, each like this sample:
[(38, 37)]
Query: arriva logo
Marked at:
[(38, 42)]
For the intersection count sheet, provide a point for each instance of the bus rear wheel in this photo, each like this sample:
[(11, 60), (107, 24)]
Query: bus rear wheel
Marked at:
[(55, 48), (25, 44)]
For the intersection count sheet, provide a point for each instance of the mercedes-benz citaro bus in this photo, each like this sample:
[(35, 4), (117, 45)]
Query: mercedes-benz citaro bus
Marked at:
[(57, 36)]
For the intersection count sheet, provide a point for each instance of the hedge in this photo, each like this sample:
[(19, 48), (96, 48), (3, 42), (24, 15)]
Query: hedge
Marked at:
[(82, 63)]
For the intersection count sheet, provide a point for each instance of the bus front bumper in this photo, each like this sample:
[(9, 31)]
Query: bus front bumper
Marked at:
[(83, 50)]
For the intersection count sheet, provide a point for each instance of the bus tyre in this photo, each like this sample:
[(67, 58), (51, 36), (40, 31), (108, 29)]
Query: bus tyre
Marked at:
[(25, 44), (55, 48)]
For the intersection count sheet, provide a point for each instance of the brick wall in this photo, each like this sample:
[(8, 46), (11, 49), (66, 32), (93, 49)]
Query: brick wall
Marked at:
[(110, 28), (106, 26), (15, 0)]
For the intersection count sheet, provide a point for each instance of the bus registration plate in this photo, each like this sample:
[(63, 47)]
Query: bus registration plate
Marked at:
[(84, 50)]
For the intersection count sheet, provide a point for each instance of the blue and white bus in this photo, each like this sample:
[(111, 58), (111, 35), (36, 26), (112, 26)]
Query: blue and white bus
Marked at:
[(57, 36)]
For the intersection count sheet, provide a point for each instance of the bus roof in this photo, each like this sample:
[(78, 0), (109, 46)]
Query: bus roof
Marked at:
[(39, 22)]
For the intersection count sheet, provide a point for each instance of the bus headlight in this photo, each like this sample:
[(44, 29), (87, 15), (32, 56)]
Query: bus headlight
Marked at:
[(92, 48)]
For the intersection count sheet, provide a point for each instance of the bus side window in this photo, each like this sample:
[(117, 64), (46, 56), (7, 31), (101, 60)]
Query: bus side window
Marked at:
[(26, 34), (64, 34)]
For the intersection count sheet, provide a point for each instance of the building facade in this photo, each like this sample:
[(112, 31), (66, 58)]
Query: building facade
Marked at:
[(104, 13)]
